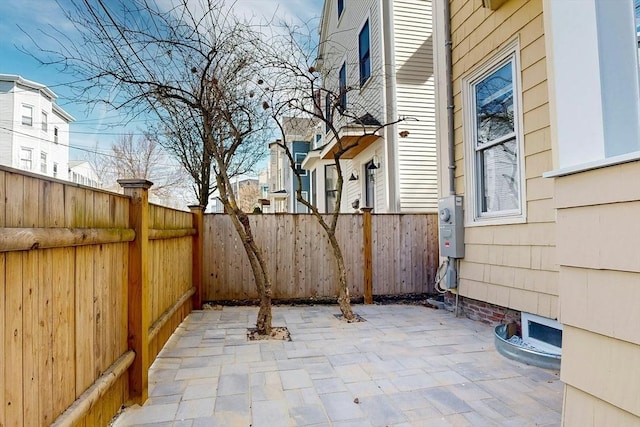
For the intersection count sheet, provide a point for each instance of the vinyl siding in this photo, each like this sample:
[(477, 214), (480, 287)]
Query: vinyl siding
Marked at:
[(509, 265), (415, 95), (412, 76)]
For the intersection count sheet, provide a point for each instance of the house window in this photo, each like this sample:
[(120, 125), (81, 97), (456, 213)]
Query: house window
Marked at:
[(26, 158), (595, 68), (542, 333), (342, 85), (45, 122), (300, 207), (27, 115), (495, 160), (328, 113), (340, 8), (55, 135), (314, 188), (364, 50), (43, 162), (370, 184), (299, 157), (330, 187), (55, 170)]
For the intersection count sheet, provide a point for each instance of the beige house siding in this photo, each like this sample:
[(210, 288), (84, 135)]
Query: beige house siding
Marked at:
[(509, 265), (598, 235), (415, 91)]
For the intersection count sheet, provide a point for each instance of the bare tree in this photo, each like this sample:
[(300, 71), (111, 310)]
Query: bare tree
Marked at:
[(296, 89), (192, 66), (144, 158), (248, 195)]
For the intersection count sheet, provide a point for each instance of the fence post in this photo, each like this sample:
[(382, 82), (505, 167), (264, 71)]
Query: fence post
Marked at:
[(197, 250), (368, 255), (139, 316)]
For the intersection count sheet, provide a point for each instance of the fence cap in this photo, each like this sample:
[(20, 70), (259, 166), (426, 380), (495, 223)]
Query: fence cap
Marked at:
[(135, 183)]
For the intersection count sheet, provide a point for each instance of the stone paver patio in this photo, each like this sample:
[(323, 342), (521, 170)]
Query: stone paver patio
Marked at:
[(405, 366)]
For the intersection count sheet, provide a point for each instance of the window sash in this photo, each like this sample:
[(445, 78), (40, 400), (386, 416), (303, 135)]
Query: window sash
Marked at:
[(27, 115), (45, 123), (342, 85), (364, 53), (299, 158), (26, 158), (43, 162), (497, 174)]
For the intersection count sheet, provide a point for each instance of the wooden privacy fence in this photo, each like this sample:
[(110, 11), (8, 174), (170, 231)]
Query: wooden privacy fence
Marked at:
[(93, 283), (391, 254)]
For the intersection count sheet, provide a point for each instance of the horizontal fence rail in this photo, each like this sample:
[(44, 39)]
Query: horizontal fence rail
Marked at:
[(75, 263), (403, 250)]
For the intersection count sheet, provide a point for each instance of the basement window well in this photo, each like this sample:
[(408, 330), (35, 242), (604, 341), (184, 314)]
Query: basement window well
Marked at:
[(540, 343), (542, 333)]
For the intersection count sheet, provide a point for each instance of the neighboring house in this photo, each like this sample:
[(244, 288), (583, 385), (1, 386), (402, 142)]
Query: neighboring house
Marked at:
[(281, 179), (547, 156), (34, 131), (246, 197), (81, 172), (377, 56)]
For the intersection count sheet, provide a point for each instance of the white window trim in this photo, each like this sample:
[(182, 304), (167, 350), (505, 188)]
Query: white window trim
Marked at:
[(22, 116), (298, 159), (30, 159), (582, 58), (360, 85), (511, 51)]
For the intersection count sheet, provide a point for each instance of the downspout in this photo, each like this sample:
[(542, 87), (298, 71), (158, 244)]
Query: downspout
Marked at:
[(453, 265), (449, 73), (391, 109)]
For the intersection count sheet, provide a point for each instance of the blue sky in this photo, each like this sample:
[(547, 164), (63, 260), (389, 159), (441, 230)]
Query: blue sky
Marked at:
[(95, 128)]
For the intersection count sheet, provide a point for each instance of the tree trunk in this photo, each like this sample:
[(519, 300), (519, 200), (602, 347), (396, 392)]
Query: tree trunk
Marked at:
[(344, 300), (263, 283)]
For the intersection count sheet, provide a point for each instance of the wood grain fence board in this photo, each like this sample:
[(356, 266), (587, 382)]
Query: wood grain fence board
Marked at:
[(51, 205), (13, 341), (15, 193), (30, 202), (30, 342), (3, 319), (45, 353), (3, 206), (64, 392)]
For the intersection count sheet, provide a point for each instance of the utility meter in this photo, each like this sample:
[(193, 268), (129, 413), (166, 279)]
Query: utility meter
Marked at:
[(451, 227)]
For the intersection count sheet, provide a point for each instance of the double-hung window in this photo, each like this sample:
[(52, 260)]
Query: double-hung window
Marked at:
[(27, 115), (43, 162), (494, 156), (299, 158), (330, 188), (342, 86), (364, 52), (328, 109), (45, 122), (26, 158)]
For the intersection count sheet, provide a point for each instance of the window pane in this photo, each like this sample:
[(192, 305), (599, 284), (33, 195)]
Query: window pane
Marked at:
[(494, 105), (499, 178), (330, 184), (364, 53), (27, 115), (342, 77)]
